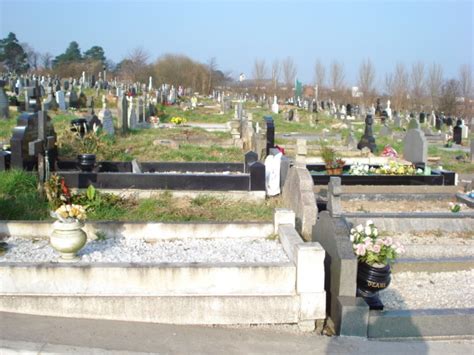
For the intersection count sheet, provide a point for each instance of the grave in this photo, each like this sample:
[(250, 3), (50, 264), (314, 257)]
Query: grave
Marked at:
[(3, 101), (368, 139), (415, 146)]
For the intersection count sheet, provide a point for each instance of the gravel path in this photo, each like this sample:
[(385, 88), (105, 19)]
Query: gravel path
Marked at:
[(431, 245), (421, 290), (138, 251)]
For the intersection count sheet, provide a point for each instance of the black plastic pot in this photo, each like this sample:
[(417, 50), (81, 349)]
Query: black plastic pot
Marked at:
[(86, 162), (370, 280)]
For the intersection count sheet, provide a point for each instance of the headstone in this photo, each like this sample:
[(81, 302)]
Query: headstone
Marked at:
[(388, 110), (378, 108), (141, 115), (351, 141), (275, 107), (457, 132), (385, 131), (415, 146), (123, 111), (50, 103), (61, 100), (3, 101), (397, 120), (368, 140), (438, 122), (414, 124), (465, 130), (132, 114), (422, 117), (472, 150)]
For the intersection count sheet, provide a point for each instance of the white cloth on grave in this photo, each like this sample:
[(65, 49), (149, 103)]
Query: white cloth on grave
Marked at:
[(272, 174)]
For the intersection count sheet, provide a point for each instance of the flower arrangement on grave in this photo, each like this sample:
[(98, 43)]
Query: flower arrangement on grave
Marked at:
[(395, 168), (70, 213), (374, 254), (154, 120), (57, 192), (388, 151), (177, 120), (371, 248), (333, 163), (456, 207)]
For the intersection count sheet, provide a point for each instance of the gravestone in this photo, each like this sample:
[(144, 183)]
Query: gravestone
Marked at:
[(50, 102), (132, 114), (472, 150), (90, 105), (36, 128), (141, 115), (378, 108), (385, 131), (397, 121), (73, 99), (351, 141), (105, 116), (368, 140), (275, 107), (415, 146), (457, 132), (413, 124), (422, 117), (449, 121), (270, 132), (123, 114), (3, 101), (465, 130), (438, 123), (61, 100)]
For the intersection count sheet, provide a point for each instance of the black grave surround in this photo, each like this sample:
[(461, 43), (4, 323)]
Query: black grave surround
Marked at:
[(437, 177)]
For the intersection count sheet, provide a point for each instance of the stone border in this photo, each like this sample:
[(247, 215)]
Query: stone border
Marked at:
[(421, 323), (433, 265), (464, 199), (204, 293)]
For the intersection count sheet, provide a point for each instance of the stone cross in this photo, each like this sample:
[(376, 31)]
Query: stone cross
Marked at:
[(368, 139), (40, 147), (334, 196)]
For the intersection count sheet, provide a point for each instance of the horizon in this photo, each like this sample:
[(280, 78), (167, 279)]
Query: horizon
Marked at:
[(238, 33)]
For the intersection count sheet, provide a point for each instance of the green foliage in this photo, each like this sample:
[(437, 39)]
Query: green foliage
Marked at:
[(95, 53), (19, 199), (72, 54), (13, 55)]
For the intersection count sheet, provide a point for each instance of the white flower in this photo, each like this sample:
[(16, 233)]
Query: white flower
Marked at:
[(369, 222), (352, 237), (368, 230), (375, 231), (353, 230), (360, 228)]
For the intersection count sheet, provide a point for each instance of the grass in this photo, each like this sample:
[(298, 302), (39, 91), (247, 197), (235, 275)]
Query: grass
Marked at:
[(19, 199)]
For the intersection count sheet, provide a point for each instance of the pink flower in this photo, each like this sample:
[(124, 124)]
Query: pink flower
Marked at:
[(376, 248), (360, 249), (367, 241), (388, 241)]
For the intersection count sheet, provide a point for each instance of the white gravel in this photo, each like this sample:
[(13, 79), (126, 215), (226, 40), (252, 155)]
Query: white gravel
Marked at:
[(421, 290), (230, 250)]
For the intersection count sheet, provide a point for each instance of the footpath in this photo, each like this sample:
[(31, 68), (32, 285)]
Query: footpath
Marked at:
[(27, 334)]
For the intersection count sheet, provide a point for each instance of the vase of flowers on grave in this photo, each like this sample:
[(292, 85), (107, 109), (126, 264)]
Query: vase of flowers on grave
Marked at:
[(87, 144), (375, 255), (178, 121), (68, 237), (334, 164)]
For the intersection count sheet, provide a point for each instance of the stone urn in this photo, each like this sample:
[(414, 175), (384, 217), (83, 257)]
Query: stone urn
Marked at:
[(68, 239), (370, 280)]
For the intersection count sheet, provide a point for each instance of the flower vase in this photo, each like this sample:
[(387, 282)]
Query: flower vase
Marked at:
[(68, 239), (370, 280), (334, 171)]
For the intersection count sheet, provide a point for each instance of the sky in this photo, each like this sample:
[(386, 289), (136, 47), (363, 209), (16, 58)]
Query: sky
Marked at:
[(235, 33)]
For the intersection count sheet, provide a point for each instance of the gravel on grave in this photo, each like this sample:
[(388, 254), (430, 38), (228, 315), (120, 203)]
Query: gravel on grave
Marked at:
[(231, 250), (435, 245), (422, 290)]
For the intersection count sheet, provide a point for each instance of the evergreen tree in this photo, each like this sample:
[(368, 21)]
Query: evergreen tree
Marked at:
[(12, 54), (95, 53), (72, 54)]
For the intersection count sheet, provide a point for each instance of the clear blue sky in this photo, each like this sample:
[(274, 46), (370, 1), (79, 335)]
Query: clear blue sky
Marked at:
[(237, 32)]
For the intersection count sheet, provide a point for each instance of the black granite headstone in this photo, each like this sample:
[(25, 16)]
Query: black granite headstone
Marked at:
[(368, 139), (457, 132)]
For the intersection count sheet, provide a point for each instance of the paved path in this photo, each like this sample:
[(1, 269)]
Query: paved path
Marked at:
[(27, 334)]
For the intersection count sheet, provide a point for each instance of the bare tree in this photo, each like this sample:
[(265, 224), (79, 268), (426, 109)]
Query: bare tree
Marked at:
[(33, 56), (465, 86), (449, 92), (418, 86), (276, 71), (337, 77), (397, 86), (135, 66), (319, 74), (212, 67), (289, 72), (434, 83), (366, 79), (259, 72), (46, 60)]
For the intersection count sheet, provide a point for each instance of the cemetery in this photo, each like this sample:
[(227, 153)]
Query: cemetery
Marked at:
[(233, 207)]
